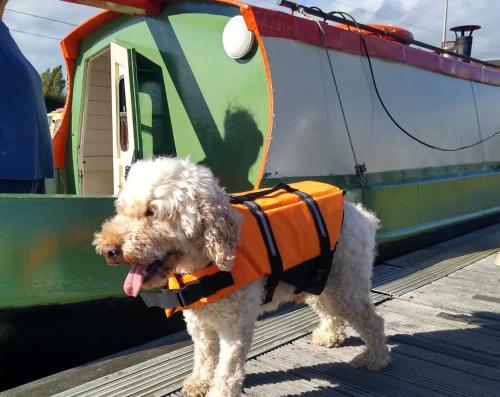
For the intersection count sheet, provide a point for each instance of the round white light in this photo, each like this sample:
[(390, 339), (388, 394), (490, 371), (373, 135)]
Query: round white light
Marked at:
[(236, 38)]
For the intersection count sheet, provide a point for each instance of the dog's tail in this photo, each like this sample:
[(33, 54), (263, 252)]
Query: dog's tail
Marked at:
[(371, 223), (374, 222)]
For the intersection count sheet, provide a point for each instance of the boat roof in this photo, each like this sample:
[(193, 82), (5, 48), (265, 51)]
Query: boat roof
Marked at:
[(280, 23), (269, 23)]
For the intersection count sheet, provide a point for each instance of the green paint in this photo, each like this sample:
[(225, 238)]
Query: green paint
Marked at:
[(155, 126), (47, 257), (419, 205), (399, 176), (46, 250), (192, 98)]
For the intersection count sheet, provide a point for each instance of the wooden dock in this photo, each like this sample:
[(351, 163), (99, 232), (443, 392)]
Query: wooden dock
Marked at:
[(442, 311)]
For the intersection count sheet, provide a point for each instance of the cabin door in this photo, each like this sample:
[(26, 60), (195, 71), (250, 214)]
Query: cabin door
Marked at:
[(122, 91)]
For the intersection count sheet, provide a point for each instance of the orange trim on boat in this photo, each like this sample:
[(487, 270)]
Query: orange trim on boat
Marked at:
[(248, 15), (69, 46)]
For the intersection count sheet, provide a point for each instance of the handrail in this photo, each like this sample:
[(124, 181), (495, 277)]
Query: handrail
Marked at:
[(326, 16)]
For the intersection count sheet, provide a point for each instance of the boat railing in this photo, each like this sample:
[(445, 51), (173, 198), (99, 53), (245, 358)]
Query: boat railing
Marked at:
[(317, 12)]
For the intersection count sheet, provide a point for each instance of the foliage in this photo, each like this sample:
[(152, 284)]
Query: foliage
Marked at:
[(53, 88), (53, 82)]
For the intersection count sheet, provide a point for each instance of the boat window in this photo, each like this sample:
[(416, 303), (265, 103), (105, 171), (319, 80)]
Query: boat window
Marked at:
[(123, 114)]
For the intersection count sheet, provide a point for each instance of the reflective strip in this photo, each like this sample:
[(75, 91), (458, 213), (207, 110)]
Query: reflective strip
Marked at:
[(265, 226), (313, 206)]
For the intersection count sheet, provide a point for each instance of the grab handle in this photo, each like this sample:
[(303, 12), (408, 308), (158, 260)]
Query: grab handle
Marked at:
[(252, 196)]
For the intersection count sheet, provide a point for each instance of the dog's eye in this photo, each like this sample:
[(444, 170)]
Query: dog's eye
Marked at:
[(149, 212)]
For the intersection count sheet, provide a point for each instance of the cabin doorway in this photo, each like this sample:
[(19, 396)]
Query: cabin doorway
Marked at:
[(106, 142)]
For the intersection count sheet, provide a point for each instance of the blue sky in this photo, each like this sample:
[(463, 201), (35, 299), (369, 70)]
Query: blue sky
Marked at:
[(423, 17)]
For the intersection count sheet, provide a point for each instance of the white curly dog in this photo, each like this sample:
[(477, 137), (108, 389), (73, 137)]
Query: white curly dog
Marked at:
[(173, 214)]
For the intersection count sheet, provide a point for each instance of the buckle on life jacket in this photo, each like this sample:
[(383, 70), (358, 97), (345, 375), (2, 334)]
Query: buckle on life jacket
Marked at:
[(189, 293)]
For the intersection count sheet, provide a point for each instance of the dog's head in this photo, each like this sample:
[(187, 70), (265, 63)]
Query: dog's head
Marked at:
[(171, 215)]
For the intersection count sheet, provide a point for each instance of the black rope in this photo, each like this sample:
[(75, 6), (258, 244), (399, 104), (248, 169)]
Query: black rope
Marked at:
[(360, 169), (401, 127), (375, 86)]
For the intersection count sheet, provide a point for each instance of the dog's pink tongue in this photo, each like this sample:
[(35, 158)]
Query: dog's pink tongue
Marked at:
[(134, 280)]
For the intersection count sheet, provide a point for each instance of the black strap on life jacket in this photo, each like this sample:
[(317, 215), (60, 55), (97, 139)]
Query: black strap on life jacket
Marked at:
[(308, 277), (267, 233), (315, 283), (189, 293), (271, 246)]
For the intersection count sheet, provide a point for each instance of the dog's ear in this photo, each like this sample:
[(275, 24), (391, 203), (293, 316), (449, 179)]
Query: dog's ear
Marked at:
[(221, 228)]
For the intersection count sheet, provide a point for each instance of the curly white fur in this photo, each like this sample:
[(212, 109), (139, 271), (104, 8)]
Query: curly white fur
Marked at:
[(171, 205)]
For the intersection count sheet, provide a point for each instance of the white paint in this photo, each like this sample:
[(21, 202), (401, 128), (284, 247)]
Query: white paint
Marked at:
[(121, 158), (236, 38), (488, 107), (309, 136), (95, 150)]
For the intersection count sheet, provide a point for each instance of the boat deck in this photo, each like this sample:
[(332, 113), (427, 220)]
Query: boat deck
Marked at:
[(442, 311)]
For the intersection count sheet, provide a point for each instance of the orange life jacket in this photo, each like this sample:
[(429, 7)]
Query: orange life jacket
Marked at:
[(288, 234)]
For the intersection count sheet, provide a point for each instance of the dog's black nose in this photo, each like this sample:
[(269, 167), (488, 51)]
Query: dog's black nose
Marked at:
[(113, 253)]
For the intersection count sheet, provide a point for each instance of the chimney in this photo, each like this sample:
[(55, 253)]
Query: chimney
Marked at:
[(463, 42)]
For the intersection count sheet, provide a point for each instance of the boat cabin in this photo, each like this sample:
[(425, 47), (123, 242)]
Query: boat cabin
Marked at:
[(263, 96)]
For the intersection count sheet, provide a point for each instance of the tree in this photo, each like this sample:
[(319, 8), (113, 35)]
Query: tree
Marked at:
[(53, 87), (53, 82)]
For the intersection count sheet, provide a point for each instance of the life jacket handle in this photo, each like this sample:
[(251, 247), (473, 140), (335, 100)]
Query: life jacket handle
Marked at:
[(239, 199)]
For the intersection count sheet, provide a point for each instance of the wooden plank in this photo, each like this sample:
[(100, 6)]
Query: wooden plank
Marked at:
[(99, 123), (99, 93), (101, 79), (426, 273), (457, 301), (98, 149), (99, 108), (433, 325), (384, 273), (330, 364), (103, 136), (260, 375), (484, 239), (98, 163)]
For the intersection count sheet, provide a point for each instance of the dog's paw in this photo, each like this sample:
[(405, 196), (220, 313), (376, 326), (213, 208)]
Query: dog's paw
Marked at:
[(328, 338), (194, 387), (371, 361), (223, 393)]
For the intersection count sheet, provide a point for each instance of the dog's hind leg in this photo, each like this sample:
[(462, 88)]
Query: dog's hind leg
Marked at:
[(206, 354), (361, 314), (330, 332)]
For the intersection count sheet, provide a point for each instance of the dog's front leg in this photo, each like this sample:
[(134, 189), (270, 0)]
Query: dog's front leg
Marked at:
[(230, 373), (206, 355), (235, 328)]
